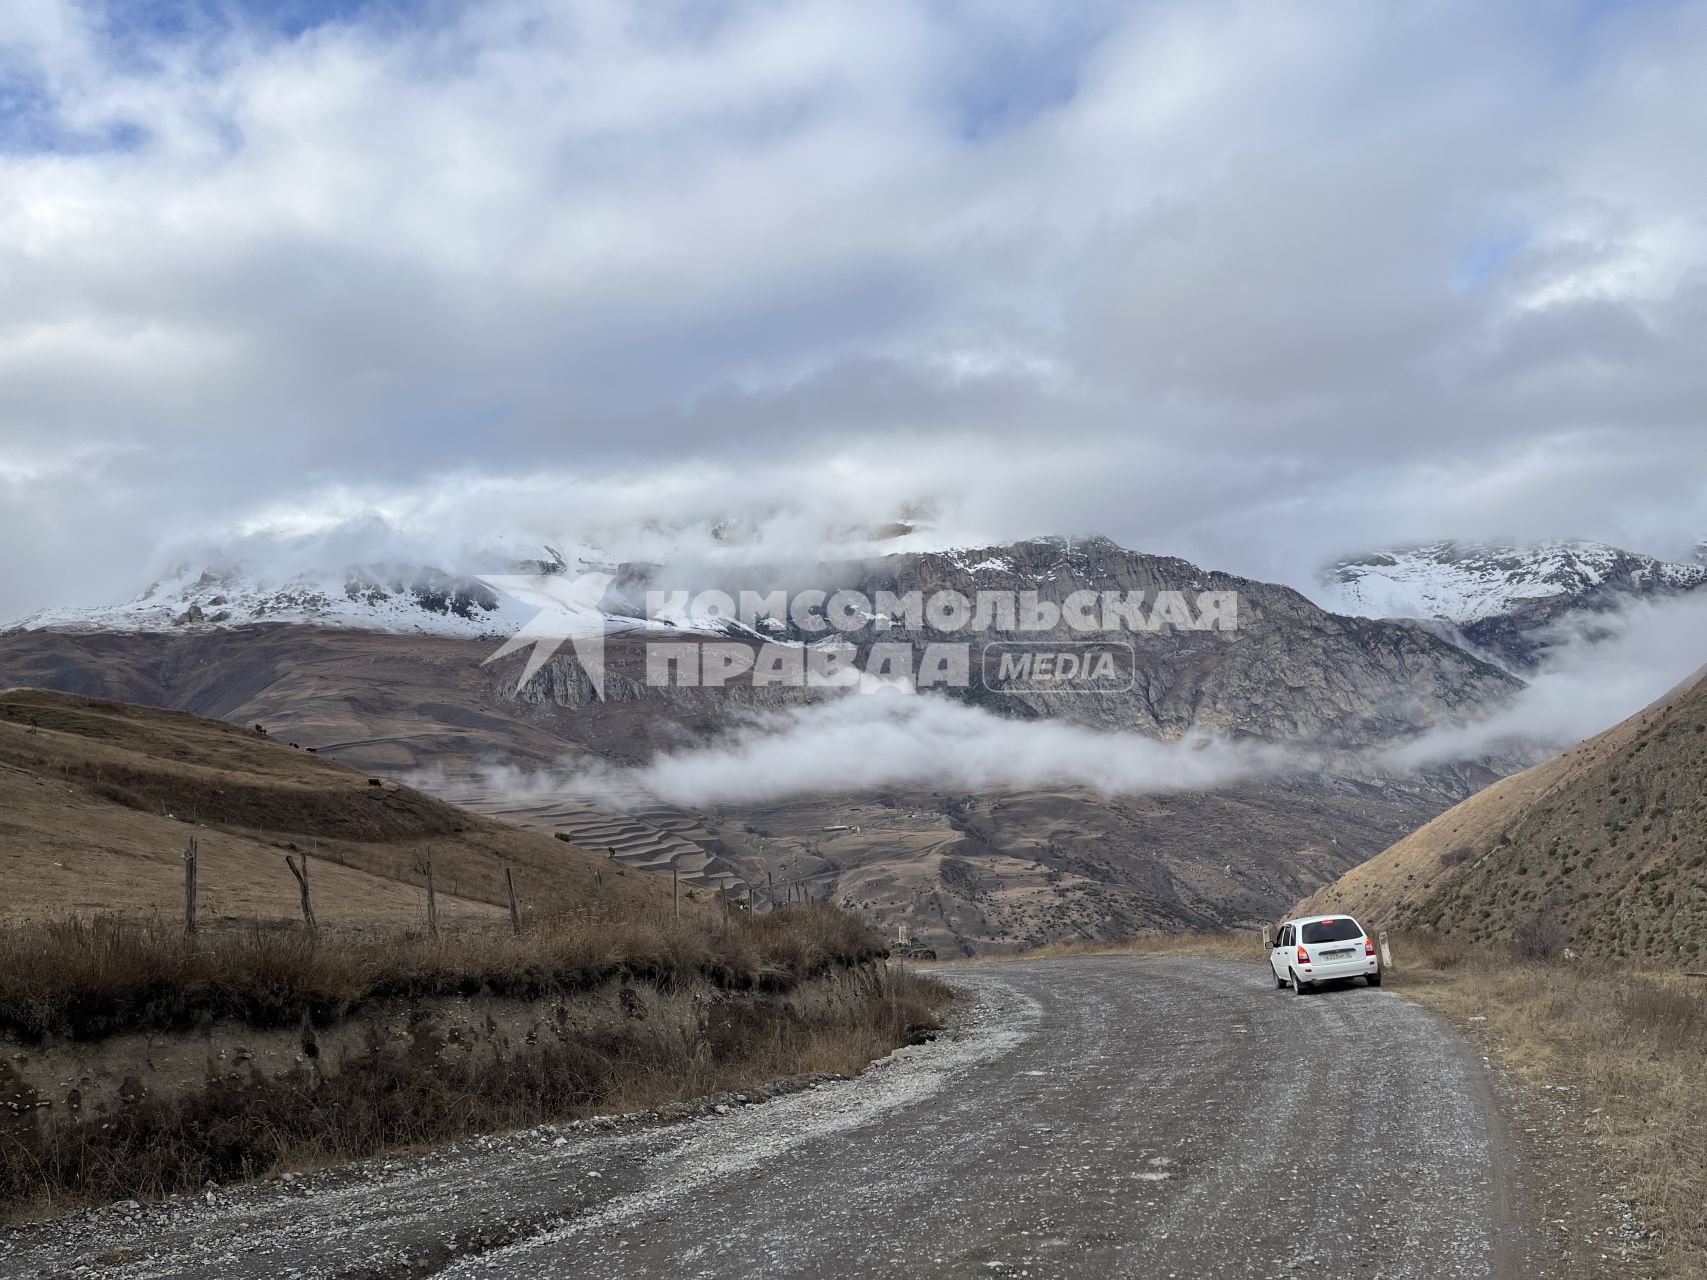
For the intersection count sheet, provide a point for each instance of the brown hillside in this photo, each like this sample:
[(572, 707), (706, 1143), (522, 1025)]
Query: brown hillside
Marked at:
[(1603, 847), (98, 800)]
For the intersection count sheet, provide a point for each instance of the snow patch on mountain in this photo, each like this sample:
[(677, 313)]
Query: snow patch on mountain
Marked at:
[(393, 597), (1466, 582), (378, 598)]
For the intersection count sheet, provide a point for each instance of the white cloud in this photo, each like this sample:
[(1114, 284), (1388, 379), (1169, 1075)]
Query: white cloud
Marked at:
[(1193, 275), (1605, 668), (863, 742)]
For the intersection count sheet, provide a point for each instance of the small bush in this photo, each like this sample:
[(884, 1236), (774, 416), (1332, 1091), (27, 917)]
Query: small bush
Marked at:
[(1540, 937)]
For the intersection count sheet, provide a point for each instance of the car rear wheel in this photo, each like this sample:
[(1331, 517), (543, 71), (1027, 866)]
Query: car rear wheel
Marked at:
[(1299, 986), (1373, 979)]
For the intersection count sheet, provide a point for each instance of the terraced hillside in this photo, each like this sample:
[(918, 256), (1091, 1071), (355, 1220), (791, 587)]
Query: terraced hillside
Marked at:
[(658, 838)]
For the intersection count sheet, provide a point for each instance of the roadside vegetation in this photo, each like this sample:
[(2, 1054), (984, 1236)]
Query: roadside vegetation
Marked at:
[(1627, 1046), (87, 980), (84, 979)]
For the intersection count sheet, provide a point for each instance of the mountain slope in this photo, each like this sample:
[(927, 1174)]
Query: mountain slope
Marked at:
[(1606, 843), (98, 800), (1290, 672), (1511, 601), (964, 869)]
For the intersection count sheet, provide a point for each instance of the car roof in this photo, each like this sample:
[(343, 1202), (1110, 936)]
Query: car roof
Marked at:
[(1341, 915)]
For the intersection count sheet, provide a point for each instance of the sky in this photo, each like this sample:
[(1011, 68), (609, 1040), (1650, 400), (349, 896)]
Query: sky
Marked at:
[(1254, 284)]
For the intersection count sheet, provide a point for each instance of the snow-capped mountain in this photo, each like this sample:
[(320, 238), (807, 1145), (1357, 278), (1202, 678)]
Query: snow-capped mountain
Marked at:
[(1502, 597), (376, 598), (1466, 582), (390, 598)]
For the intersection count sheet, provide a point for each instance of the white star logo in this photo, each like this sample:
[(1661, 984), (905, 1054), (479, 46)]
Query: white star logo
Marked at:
[(568, 610)]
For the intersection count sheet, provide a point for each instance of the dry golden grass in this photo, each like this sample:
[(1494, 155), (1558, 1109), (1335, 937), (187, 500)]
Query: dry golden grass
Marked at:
[(91, 978), (1631, 1044), (98, 801)]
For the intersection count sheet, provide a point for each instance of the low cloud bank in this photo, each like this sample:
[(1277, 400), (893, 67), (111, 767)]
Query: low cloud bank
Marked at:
[(1605, 669), (897, 738)]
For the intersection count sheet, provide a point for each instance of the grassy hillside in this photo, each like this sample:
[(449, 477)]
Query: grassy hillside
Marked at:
[(1602, 849), (99, 799), (616, 1003)]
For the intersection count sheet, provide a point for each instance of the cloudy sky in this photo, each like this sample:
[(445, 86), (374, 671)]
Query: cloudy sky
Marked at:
[(1252, 283)]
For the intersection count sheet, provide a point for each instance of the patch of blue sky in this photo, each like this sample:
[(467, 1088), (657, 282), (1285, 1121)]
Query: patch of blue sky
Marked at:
[(32, 124), (152, 20), (1014, 71), (1591, 12), (1482, 261)]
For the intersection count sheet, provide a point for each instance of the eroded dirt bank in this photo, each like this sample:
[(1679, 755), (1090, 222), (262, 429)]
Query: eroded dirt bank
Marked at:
[(138, 1114)]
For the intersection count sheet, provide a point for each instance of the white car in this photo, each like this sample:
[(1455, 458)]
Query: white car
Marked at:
[(1314, 949)]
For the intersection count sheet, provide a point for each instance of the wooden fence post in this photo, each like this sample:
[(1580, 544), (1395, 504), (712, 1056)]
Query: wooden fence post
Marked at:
[(515, 911), (770, 890), (723, 896), (190, 887), (676, 890), (432, 899), (301, 874), (1386, 953)]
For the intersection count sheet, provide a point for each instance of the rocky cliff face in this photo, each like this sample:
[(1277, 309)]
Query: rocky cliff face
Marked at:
[(1289, 672)]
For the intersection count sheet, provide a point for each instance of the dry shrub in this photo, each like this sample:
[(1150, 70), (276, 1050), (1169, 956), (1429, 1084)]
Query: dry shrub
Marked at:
[(91, 978), (1540, 937), (1430, 953), (241, 1129)]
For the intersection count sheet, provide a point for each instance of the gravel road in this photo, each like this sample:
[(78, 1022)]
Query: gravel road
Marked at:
[(1087, 1117)]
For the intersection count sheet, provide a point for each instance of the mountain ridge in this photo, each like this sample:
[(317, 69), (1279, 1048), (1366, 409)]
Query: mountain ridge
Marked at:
[(962, 870), (1513, 602)]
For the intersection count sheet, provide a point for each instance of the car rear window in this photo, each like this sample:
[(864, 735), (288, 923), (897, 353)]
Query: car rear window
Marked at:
[(1341, 929)]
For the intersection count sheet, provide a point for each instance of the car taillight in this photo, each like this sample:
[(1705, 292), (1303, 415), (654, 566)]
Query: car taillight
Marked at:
[(1369, 946), (1303, 956)]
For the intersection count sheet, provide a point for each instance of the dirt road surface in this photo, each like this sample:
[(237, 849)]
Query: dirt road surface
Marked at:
[(1104, 1116)]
